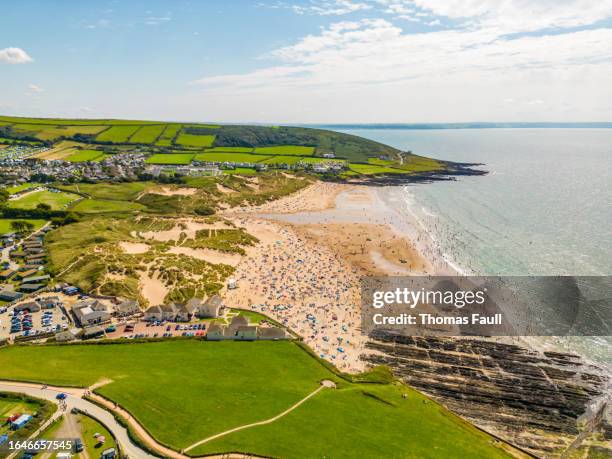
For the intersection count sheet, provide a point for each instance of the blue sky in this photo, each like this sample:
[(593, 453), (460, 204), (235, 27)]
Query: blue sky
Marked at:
[(309, 61)]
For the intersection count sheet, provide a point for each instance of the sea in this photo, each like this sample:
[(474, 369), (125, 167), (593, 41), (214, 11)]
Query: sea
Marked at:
[(544, 208)]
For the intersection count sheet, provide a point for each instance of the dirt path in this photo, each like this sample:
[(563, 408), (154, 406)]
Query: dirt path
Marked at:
[(324, 384)]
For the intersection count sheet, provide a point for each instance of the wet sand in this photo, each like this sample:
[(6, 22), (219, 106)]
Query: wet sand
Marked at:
[(314, 247)]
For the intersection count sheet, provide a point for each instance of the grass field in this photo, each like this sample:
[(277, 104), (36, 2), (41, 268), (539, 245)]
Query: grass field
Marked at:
[(22, 187), (117, 134), (282, 160), (96, 206), (111, 191), (90, 427), (293, 150), (57, 200), (191, 140), (184, 391), (170, 158), (5, 224), (371, 169), (165, 140), (86, 155), (240, 171), (147, 134), (10, 406), (231, 157), (50, 132), (230, 149)]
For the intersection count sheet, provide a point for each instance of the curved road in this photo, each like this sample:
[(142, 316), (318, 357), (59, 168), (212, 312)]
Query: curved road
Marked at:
[(75, 400)]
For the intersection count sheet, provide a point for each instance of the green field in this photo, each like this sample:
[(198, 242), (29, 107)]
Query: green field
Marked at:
[(50, 132), (57, 200), (89, 428), (165, 140), (10, 406), (170, 158), (240, 171), (231, 157), (5, 224), (191, 140), (230, 149), (86, 155), (293, 150), (111, 191), (117, 134), (95, 206), (371, 169), (183, 391), (282, 160), (147, 134), (22, 187)]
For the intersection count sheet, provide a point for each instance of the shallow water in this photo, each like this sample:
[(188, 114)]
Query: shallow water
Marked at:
[(545, 208)]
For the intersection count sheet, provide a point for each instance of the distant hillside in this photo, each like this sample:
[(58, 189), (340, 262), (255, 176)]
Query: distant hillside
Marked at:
[(190, 136)]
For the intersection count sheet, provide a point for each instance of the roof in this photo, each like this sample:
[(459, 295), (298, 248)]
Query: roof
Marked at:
[(95, 330), (31, 287), (29, 280), (10, 294), (214, 301), (169, 307), (153, 310), (193, 304), (214, 328), (127, 305), (246, 328), (271, 332), (239, 321)]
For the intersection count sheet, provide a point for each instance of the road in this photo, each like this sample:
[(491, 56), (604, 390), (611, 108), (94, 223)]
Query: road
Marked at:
[(75, 400)]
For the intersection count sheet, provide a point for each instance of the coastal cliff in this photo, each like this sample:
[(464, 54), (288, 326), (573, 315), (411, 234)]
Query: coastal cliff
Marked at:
[(540, 402)]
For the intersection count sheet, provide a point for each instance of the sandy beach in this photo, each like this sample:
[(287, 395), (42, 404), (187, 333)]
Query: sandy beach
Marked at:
[(305, 271)]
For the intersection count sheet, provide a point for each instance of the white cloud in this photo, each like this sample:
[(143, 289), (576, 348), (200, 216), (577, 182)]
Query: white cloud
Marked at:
[(14, 56), (372, 70), (157, 20), (34, 88), (330, 7), (520, 15)]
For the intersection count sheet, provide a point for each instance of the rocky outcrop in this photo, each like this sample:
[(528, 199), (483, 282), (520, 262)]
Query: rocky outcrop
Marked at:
[(530, 399)]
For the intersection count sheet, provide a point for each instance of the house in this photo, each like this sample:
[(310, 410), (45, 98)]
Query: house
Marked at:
[(66, 336), (93, 332), (213, 307), (7, 274), (153, 313), (272, 333), (246, 332), (31, 306), (127, 308), (238, 321), (217, 333), (9, 295), (50, 302), (26, 273), (36, 279), (168, 311), (181, 313), (238, 329), (30, 288), (90, 312)]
